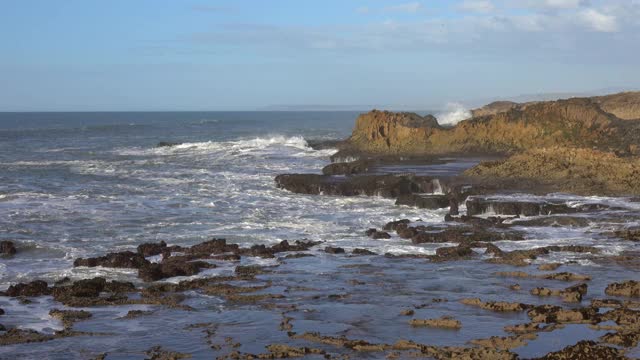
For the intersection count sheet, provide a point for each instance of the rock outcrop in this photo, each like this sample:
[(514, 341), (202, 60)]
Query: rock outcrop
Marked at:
[(502, 128), (582, 171), (624, 105)]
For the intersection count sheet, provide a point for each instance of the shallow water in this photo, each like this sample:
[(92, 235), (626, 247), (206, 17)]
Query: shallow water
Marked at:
[(83, 185)]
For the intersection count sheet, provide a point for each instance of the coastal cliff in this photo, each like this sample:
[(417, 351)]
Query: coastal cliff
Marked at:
[(506, 128)]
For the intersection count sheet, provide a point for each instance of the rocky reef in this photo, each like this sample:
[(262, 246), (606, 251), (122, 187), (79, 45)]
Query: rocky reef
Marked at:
[(579, 171)]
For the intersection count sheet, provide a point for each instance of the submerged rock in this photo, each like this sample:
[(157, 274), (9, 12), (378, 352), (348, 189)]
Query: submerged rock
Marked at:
[(7, 247)]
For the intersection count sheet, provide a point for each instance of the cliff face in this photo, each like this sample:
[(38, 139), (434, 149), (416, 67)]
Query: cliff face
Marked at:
[(387, 132), (625, 105), (578, 122)]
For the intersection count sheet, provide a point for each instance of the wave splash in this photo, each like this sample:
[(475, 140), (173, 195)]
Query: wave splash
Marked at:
[(453, 114)]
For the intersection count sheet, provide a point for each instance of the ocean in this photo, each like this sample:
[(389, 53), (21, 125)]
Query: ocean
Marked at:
[(84, 184)]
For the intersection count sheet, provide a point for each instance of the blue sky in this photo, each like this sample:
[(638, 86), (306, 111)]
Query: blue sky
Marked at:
[(242, 54)]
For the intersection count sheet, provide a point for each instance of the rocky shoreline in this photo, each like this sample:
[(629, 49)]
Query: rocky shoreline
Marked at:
[(477, 284)]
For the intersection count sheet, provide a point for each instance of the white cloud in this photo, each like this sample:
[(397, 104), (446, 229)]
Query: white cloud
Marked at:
[(598, 21), (411, 7), (363, 10), (480, 6), (563, 4)]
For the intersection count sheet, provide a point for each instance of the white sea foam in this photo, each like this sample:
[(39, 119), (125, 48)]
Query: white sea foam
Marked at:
[(453, 114)]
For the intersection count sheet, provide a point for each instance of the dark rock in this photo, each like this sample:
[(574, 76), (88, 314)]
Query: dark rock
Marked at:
[(7, 248), (454, 253), (478, 206), (375, 234), (424, 201), (381, 235), (34, 288), (227, 257), (167, 144), (321, 144), (89, 288), (347, 168), (453, 206), (395, 225), (389, 186), (213, 246), (151, 249), (1, 311), (333, 250), (461, 235), (359, 251), (125, 259), (555, 221), (171, 267), (249, 271), (492, 249)]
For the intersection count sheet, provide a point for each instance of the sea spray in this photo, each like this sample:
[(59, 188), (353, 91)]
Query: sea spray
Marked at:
[(453, 114)]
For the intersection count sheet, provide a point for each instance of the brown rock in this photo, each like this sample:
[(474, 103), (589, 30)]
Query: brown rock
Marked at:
[(443, 323), (34, 288), (586, 350), (556, 314), (629, 288), (500, 306)]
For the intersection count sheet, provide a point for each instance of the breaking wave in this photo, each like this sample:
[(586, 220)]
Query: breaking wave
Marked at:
[(453, 114)]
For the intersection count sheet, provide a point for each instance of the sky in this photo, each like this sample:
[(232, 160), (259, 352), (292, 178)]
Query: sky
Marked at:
[(137, 55)]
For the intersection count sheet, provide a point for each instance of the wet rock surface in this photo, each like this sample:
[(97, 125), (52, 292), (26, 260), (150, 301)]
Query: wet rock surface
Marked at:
[(424, 201), (390, 186)]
